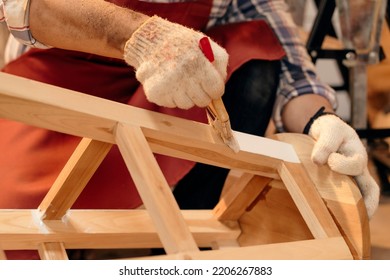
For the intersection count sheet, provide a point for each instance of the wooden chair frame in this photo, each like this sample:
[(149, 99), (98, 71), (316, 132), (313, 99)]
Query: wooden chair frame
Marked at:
[(327, 206)]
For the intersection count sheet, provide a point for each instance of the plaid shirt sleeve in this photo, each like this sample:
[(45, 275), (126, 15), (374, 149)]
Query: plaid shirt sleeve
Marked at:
[(298, 75), (15, 13)]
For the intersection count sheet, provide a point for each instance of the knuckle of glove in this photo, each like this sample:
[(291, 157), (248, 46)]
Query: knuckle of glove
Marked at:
[(183, 101), (320, 154), (212, 84), (157, 95), (158, 89), (196, 94)]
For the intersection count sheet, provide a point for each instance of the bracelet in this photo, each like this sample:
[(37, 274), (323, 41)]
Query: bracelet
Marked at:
[(318, 114)]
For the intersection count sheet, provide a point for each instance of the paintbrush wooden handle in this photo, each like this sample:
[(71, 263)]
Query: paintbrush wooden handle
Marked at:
[(219, 109), (216, 106)]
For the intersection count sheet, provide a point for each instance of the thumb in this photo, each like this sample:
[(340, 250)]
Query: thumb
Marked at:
[(352, 165), (370, 192)]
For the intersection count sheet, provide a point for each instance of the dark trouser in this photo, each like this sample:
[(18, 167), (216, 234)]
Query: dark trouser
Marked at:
[(249, 98)]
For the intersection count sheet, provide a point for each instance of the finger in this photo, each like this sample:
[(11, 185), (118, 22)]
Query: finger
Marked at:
[(212, 83), (370, 192), (183, 101), (145, 71), (324, 146), (221, 60), (197, 93), (348, 165), (156, 96)]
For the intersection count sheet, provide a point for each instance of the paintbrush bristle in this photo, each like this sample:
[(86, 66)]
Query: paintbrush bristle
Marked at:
[(224, 130), (227, 136), (232, 143)]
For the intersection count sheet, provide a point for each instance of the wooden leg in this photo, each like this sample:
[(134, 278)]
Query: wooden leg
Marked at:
[(154, 190), (2, 255)]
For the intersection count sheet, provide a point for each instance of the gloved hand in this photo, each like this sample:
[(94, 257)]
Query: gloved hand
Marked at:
[(339, 145), (171, 66)]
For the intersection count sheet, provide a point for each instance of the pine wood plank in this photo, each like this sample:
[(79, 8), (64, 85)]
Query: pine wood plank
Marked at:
[(52, 251), (93, 229), (73, 178), (320, 249), (308, 201)]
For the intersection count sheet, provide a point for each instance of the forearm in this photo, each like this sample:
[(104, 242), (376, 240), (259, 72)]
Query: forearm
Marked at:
[(298, 111), (92, 26)]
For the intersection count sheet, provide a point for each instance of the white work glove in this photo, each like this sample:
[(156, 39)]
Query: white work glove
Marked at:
[(339, 145), (171, 66)]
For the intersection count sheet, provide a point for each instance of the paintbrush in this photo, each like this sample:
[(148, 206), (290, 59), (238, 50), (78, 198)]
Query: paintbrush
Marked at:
[(216, 111)]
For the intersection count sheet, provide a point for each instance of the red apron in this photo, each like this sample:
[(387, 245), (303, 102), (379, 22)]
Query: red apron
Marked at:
[(31, 158)]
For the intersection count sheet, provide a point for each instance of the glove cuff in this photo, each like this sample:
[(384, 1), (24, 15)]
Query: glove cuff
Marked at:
[(143, 41), (319, 113)]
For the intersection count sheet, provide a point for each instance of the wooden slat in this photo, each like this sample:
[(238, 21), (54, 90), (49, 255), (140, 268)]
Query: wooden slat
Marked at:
[(66, 111), (308, 200), (321, 249), (225, 244), (2, 255), (52, 251), (73, 178), (240, 196), (22, 229), (154, 190)]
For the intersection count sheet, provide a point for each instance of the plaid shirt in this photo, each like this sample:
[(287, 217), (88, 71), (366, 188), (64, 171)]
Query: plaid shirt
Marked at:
[(16, 14), (298, 75)]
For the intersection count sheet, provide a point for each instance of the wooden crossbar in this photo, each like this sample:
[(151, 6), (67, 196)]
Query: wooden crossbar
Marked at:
[(326, 249), (23, 229)]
